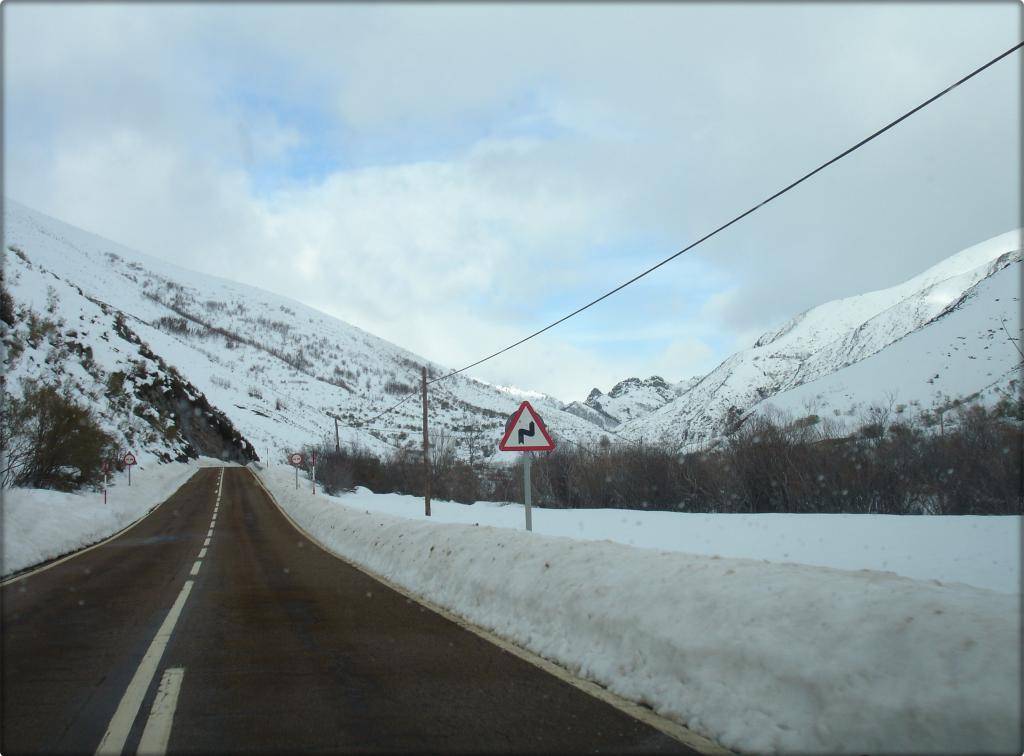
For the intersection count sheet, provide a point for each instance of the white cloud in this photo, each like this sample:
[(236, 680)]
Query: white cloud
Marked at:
[(498, 148)]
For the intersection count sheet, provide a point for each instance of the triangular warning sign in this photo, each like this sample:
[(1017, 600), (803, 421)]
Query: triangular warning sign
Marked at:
[(526, 432)]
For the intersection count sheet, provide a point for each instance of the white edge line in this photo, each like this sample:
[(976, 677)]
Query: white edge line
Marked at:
[(123, 719), (674, 730), (202, 552), (195, 567), (161, 715), (206, 542), (118, 534)]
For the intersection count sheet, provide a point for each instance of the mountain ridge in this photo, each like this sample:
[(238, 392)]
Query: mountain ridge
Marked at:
[(830, 338), (279, 372)]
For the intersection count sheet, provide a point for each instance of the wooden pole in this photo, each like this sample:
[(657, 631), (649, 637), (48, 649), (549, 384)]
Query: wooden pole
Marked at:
[(426, 449), (337, 438)]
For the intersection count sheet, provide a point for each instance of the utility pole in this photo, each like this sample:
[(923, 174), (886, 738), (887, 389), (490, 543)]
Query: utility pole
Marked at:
[(337, 438), (426, 449)]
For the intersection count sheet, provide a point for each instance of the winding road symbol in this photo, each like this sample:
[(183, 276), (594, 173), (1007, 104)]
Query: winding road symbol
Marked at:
[(525, 431)]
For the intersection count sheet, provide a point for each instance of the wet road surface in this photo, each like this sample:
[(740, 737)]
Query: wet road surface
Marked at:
[(214, 626)]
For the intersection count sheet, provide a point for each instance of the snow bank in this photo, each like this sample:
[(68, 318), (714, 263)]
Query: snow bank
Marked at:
[(759, 656), (980, 551), (40, 525)]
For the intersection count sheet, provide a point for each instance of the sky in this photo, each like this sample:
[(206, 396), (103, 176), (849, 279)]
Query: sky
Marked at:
[(454, 177)]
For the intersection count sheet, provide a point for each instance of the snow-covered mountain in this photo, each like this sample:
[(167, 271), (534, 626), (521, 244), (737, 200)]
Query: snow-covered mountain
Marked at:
[(178, 363), (944, 334), (628, 400), (124, 327)]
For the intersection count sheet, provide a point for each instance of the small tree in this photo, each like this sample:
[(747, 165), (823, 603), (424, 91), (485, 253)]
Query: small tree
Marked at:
[(49, 440)]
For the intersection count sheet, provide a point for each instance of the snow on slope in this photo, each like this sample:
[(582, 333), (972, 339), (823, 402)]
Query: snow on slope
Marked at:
[(761, 657), (62, 336), (275, 367), (963, 352), (826, 339)]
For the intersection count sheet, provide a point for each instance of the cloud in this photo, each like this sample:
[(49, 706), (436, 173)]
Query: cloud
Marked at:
[(454, 177)]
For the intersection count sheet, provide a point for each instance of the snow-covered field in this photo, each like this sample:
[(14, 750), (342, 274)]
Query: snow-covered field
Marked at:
[(980, 551), (40, 525), (759, 655)]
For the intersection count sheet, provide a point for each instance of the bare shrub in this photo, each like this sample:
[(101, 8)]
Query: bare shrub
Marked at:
[(894, 463), (48, 440)]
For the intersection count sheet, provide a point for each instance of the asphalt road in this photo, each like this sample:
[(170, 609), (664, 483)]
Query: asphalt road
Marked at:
[(265, 643)]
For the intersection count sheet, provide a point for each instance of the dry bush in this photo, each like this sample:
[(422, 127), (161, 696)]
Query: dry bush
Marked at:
[(893, 464), (48, 440)]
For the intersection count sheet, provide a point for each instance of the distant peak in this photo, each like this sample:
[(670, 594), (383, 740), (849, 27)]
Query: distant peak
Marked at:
[(622, 386)]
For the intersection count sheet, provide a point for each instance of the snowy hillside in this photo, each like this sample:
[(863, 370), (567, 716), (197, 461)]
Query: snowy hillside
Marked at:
[(55, 332), (278, 370), (964, 352), (179, 363), (938, 336)]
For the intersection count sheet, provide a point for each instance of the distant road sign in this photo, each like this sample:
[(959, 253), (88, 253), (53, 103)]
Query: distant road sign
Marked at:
[(129, 459), (295, 459), (525, 431)]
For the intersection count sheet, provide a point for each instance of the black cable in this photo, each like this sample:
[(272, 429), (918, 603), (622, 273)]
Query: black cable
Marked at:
[(724, 226), (392, 407)]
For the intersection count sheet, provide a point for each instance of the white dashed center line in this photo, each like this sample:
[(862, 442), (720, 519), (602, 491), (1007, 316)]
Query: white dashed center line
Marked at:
[(161, 716), (121, 724)]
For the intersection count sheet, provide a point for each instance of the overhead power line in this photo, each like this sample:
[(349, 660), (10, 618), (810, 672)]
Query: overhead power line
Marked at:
[(726, 225), (394, 406)]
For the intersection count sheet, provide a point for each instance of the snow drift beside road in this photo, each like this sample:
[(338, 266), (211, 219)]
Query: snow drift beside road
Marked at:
[(982, 551), (40, 525), (759, 656)]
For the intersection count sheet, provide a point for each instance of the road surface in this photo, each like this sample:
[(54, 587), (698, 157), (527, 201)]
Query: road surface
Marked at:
[(214, 626)]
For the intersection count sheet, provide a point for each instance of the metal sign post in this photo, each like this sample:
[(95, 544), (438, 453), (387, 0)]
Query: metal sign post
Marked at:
[(295, 460), (312, 473), (129, 460), (527, 491)]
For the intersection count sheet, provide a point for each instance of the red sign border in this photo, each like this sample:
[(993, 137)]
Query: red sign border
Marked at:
[(125, 461), (300, 455), (540, 426)]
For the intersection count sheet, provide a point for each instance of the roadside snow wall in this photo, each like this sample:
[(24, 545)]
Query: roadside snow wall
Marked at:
[(40, 525), (759, 656)]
